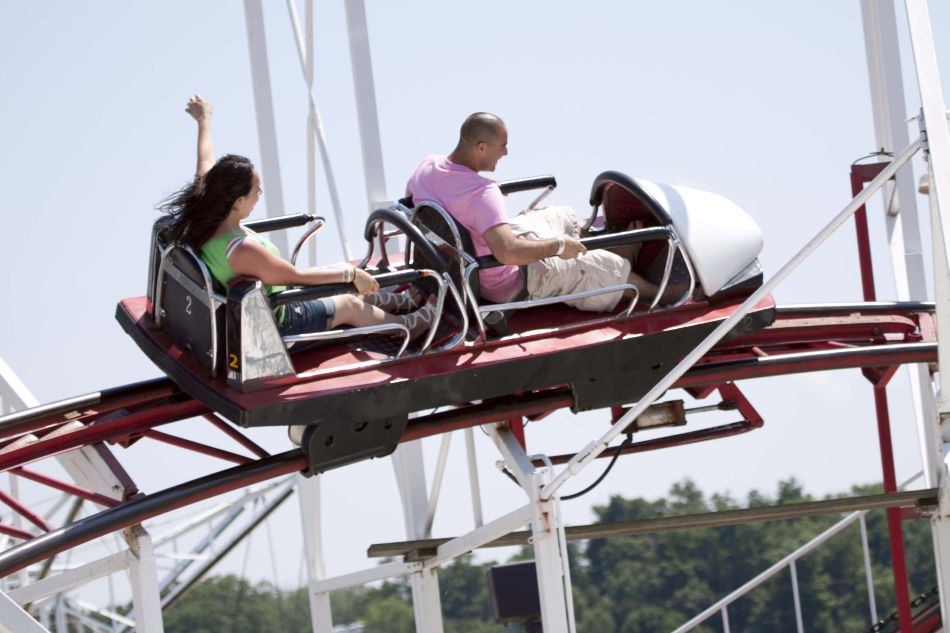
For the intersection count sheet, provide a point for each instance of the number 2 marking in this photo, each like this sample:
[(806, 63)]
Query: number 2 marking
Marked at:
[(188, 305), (233, 364)]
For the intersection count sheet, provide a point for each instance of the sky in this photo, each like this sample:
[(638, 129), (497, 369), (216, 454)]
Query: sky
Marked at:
[(767, 104)]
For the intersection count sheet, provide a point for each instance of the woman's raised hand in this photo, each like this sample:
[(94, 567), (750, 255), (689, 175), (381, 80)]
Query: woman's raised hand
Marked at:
[(198, 108), (364, 282)]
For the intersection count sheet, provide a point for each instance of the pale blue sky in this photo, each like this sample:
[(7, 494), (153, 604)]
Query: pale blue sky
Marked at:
[(764, 103)]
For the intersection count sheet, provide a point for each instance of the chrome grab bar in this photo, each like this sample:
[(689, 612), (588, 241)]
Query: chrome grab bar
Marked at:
[(328, 335), (318, 224)]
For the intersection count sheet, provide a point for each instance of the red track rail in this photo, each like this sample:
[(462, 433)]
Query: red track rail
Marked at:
[(803, 339)]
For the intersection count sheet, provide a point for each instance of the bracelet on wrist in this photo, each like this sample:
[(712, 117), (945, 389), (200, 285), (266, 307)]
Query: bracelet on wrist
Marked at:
[(560, 246)]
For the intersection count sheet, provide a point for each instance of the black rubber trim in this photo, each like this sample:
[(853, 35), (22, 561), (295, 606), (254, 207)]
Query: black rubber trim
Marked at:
[(412, 233), (331, 290), (527, 184), (275, 224)]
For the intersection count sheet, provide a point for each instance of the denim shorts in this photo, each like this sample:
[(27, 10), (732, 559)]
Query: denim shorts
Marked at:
[(307, 316)]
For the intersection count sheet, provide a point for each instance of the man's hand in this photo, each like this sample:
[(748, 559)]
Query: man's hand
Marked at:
[(198, 108), (572, 248), (364, 282)]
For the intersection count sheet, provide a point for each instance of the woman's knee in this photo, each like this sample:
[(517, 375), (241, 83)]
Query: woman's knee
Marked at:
[(346, 308)]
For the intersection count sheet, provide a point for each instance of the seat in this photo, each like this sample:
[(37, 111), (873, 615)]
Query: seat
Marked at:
[(455, 243)]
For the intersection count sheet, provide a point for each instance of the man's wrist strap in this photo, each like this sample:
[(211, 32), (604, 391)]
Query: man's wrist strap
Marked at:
[(560, 246)]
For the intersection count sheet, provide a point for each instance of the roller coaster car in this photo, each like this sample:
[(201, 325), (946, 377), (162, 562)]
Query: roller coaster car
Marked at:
[(354, 389)]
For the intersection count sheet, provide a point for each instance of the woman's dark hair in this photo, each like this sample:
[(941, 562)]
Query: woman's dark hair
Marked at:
[(202, 205)]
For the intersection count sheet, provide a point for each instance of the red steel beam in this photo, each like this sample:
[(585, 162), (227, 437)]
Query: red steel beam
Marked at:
[(15, 532), (25, 512), (101, 431), (859, 175), (68, 488), (197, 447), (236, 435)]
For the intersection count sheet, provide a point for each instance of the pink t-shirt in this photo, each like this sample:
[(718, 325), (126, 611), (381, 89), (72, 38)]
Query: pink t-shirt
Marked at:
[(477, 204)]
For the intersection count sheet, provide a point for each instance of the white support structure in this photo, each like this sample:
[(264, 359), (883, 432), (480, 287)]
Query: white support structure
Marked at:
[(900, 203), (308, 492), (474, 487), (89, 469), (550, 557), (143, 575), (13, 619), (370, 143), (934, 122), (547, 534), (305, 52), (311, 123), (411, 479), (72, 578), (264, 110)]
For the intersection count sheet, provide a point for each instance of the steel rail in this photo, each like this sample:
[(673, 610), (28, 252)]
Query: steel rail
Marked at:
[(37, 418), (100, 431), (911, 499), (799, 362), (146, 507)]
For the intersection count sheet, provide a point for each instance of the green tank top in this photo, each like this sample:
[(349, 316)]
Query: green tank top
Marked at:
[(215, 252)]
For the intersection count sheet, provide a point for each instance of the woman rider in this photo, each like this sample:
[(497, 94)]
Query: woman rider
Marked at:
[(207, 215)]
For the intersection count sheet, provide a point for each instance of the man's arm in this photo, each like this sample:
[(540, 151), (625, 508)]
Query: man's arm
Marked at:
[(508, 248), (200, 110)]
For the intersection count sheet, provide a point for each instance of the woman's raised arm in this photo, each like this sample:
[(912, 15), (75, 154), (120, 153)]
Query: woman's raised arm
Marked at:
[(200, 110)]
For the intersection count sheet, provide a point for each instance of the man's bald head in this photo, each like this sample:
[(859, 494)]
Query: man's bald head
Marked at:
[(480, 127), (483, 141)]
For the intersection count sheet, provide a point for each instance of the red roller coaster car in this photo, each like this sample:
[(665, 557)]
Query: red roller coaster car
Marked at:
[(353, 391)]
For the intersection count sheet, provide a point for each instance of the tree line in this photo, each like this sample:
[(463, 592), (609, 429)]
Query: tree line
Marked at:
[(634, 584)]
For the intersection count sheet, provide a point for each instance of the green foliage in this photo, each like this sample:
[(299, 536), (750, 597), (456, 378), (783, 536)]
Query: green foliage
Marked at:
[(643, 584)]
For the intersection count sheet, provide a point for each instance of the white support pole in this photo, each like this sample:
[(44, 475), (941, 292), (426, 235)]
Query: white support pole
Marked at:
[(411, 479), (303, 48), (264, 109), (473, 477), (868, 574), (143, 575), (437, 483), (361, 61), (547, 534), (308, 491), (311, 124), (550, 559), (934, 113), (889, 108), (518, 462), (796, 598), (13, 619)]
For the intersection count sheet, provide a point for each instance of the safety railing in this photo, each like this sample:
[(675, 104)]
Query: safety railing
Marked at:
[(722, 606)]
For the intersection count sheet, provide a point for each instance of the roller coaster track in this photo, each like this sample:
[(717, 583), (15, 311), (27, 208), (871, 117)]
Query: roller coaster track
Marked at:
[(876, 337)]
